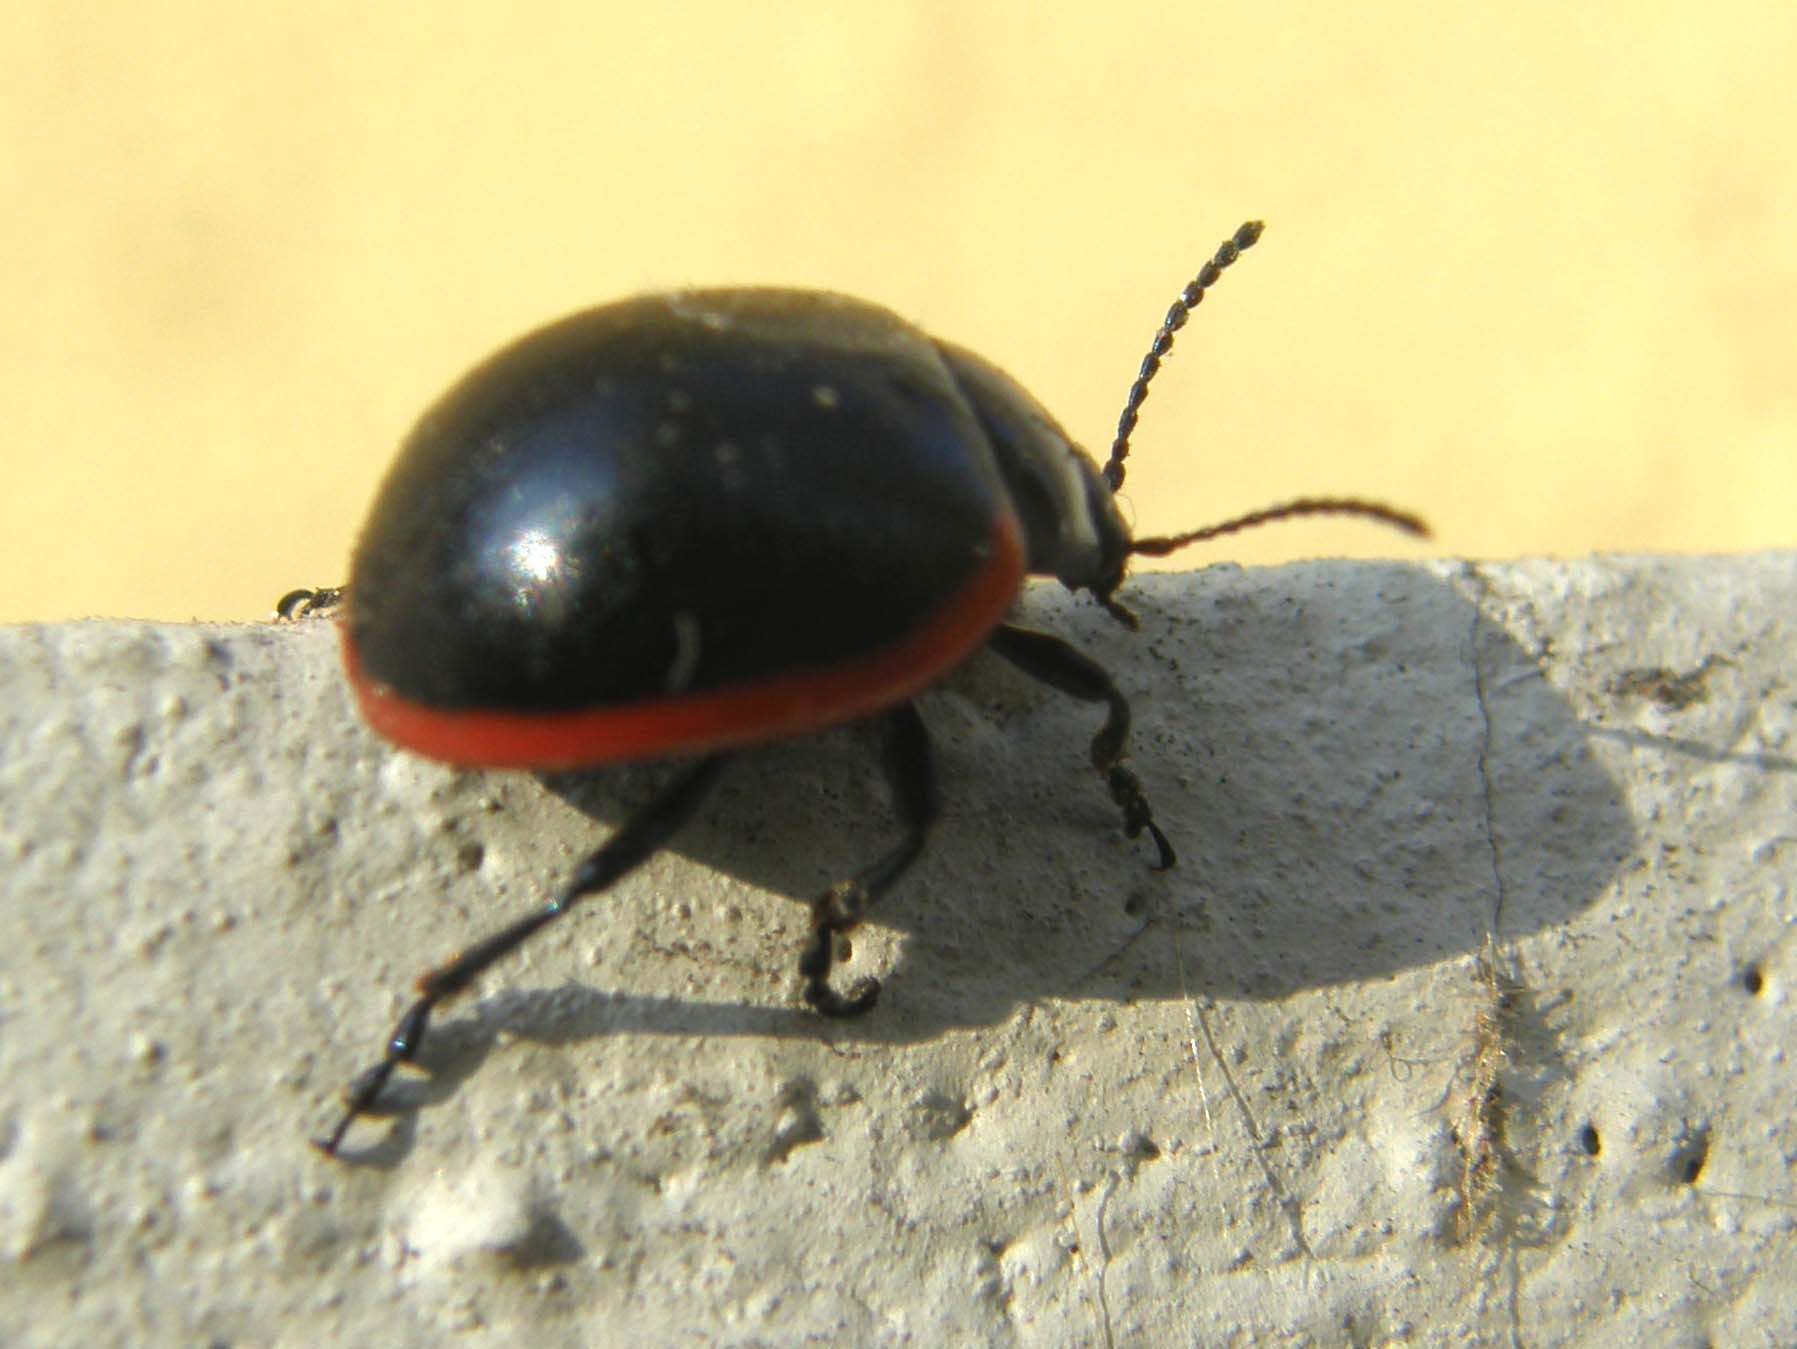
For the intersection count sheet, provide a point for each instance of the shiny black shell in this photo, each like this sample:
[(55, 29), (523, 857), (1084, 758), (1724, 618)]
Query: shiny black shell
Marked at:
[(681, 496)]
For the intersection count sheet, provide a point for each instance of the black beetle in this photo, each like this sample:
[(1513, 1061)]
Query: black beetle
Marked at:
[(686, 523)]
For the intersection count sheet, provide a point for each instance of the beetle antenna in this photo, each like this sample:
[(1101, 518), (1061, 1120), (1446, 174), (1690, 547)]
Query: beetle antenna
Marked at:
[(1227, 252), (1369, 510)]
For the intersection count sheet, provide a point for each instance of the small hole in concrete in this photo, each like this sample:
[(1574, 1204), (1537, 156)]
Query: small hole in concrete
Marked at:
[(1589, 1142), (1753, 980), (1693, 1151)]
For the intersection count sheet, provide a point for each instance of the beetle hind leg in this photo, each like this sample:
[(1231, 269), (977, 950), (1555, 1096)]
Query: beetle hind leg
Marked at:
[(637, 840), (912, 777), (1064, 667)]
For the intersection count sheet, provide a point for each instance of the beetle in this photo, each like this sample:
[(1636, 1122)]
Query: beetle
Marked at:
[(687, 523)]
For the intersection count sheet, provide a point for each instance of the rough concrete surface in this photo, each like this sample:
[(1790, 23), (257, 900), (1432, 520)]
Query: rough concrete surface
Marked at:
[(1464, 1018)]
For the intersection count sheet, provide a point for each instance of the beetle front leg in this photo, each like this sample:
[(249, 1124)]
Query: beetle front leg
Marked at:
[(1064, 667), (912, 777)]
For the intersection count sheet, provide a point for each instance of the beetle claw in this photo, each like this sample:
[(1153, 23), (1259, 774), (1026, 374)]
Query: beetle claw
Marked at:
[(860, 998)]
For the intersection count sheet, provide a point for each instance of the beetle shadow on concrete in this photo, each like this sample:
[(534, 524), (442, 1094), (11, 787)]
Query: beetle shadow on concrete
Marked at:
[(1357, 784)]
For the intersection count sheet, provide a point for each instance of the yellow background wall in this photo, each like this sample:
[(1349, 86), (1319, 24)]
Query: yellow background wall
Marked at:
[(1530, 268)]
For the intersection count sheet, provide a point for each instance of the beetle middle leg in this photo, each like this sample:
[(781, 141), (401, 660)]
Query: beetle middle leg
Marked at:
[(1064, 667), (635, 842), (912, 777)]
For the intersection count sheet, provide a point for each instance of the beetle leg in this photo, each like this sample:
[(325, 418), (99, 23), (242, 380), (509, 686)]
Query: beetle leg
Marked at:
[(906, 757), (298, 604), (1066, 668), (639, 838)]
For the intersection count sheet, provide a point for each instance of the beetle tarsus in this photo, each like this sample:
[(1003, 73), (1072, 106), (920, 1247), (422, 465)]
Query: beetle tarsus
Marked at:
[(1065, 667), (840, 909), (837, 911), (826, 1001), (358, 1099), (304, 603), (1126, 791)]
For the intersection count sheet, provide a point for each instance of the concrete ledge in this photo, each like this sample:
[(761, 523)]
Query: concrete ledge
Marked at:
[(1465, 1018)]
